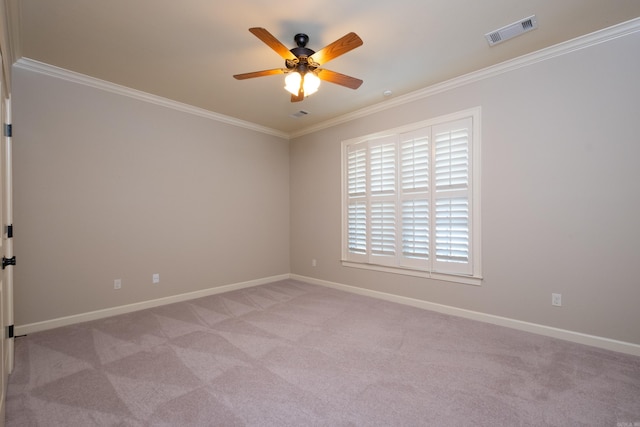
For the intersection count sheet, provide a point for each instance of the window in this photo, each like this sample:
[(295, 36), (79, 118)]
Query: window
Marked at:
[(411, 200)]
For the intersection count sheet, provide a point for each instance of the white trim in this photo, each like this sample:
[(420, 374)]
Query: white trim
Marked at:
[(601, 36), (71, 76), (407, 271), (564, 48), (123, 309), (474, 112), (563, 334), (549, 331)]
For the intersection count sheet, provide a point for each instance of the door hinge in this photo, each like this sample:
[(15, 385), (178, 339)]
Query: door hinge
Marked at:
[(9, 231), (8, 130), (8, 261), (10, 331)]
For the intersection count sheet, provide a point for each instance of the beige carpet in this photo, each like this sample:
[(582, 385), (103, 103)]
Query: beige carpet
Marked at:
[(294, 354)]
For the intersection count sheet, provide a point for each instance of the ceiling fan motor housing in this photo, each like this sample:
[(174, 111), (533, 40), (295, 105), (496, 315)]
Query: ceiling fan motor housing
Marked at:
[(301, 52)]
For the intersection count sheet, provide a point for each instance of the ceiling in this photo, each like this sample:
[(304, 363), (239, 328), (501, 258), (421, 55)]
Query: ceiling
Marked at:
[(188, 50)]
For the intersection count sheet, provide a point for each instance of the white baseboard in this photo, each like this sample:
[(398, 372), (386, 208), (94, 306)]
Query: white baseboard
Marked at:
[(577, 337), (123, 309)]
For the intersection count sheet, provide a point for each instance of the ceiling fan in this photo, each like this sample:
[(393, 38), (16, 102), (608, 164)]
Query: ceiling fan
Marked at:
[(303, 64)]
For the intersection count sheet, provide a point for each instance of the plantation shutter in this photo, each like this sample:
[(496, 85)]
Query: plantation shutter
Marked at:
[(452, 175), (358, 227), (414, 182), (357, 202), (415, 230), (409, 203), (383, 211), (383, 168)]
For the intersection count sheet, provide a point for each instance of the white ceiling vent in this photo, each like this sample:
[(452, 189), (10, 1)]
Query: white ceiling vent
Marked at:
[(511, 31), (299, 114)]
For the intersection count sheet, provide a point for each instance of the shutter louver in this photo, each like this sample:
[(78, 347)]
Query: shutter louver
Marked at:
[(414, 165), (357, 172), (357, 227), (415, 229), (383, 228), (452, 230), (383, 169), (452, 160)]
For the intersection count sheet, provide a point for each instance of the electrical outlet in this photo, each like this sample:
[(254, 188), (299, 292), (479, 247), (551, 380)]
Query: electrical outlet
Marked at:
[(117, 284), (556, 299), (314, 263), (156, 278)]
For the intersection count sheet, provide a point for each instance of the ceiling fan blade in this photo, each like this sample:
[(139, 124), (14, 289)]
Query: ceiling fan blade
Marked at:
[(300, 96), (259, 74), (339, 79), (272, 42), (337, 48)]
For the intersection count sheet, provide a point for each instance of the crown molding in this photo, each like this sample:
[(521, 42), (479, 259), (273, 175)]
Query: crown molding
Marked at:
[(560, 49), (564, 48), (71, 76)]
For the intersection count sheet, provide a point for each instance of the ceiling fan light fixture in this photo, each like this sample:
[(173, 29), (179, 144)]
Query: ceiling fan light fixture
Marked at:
[(302, 72), (292, 82), (310, 83)]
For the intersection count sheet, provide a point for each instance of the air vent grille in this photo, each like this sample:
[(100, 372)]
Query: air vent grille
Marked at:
[(299, 114), (512, 30)]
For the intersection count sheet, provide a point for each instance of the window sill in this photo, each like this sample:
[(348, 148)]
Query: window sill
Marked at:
[(466, 280)]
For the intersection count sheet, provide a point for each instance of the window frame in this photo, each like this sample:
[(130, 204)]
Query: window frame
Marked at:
[(368, 262)]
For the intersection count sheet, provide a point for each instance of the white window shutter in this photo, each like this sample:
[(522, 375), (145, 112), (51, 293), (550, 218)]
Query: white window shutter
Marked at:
[(382, 201), (414, 182), (414, 162), (411, 199), (357, 171), (357, 203), (452, 230), (415, 229), (452, 157), (382, 165), (452, 175), (383, 228), (357, 227)]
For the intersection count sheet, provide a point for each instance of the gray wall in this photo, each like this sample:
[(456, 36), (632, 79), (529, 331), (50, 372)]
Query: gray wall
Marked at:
[(560, 194), (109, 187)]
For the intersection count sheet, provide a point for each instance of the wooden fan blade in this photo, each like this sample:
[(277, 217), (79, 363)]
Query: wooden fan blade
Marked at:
[(259, 74), (300, 96), (272, 42), (337, 48), (339, 79)]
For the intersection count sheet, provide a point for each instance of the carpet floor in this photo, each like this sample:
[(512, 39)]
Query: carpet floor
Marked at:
[(294, 354)]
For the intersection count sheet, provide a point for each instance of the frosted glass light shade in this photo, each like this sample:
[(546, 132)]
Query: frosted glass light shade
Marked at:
[(292, 82), (311, 84)]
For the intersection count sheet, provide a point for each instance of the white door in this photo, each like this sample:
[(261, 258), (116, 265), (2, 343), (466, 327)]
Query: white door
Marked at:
[(6, 245), (7, 232)]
